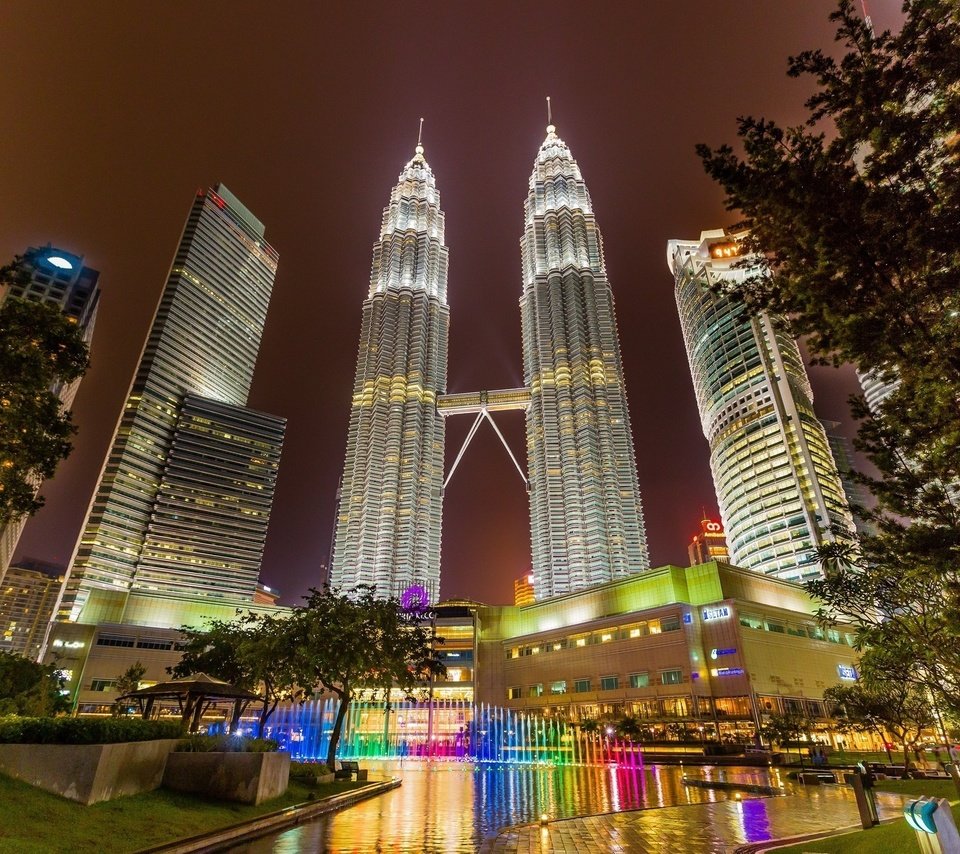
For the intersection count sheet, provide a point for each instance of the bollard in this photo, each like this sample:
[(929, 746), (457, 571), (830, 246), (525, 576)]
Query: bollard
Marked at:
[(866, 805)]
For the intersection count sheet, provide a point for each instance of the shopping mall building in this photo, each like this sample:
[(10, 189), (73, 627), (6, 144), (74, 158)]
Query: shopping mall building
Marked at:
[(699, 652)]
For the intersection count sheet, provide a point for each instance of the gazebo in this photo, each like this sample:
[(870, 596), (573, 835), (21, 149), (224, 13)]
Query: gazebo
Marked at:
[(194, 695)]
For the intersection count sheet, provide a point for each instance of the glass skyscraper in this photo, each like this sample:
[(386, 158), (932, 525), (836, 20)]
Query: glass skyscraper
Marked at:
[(388, 523), (60, 279), (586, 517), (776, 480), (162, 504)]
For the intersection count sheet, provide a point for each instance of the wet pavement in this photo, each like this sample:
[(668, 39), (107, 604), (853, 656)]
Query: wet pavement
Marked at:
[(466, 807)]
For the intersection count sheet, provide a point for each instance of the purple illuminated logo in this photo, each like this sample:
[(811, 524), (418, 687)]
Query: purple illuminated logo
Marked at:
[(415, 599)]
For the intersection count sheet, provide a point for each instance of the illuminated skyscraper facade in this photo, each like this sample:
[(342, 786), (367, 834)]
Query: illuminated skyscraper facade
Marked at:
[(586, 517), (388, 522), (199, 355), (60, 279), (776, 480)]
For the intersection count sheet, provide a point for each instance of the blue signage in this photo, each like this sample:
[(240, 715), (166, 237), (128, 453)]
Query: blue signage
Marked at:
[(847, 671), (729, 671), (688, 618), (716, 653)]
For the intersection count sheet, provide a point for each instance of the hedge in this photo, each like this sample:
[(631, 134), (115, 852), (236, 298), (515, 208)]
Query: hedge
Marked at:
[(18, 730), (225, 744)]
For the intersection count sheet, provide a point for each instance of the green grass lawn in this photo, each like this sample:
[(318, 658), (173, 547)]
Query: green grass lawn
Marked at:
[(33, 821), (887, 838)]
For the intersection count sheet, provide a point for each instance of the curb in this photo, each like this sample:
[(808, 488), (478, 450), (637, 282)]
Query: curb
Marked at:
[(219, 840)]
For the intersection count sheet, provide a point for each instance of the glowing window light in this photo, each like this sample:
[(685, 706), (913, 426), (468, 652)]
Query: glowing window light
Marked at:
[(59, 262)]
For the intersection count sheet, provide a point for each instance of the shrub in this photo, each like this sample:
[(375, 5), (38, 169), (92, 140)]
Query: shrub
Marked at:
[(225, 744), (18, 730)]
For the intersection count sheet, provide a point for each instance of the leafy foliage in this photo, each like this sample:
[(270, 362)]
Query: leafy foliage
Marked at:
[(881, 706), (254, 651), (855, 217), (785, 729), (65, 730), (40, 348), (28, 688), (225, 744), (128, 681), (361, 645)]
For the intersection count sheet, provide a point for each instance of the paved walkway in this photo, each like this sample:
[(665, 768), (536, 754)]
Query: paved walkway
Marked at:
[(717, 828)]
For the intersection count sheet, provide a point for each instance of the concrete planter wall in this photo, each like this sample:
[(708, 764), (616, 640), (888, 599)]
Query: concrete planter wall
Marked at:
[(249, 778), (88, 773)]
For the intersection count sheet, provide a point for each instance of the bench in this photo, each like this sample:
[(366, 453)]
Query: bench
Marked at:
[(348, 769)]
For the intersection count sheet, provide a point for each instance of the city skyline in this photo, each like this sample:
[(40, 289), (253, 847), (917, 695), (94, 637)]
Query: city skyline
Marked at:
[(345, 161)]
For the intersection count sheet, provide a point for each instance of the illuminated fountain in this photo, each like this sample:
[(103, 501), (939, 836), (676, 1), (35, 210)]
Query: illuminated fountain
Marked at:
[(444, 729)]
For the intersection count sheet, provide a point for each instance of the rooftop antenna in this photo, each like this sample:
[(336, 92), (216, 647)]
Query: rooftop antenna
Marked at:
[(419, 148), (550, 127)]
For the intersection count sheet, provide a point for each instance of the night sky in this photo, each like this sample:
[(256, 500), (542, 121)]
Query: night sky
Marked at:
[(115, 113)]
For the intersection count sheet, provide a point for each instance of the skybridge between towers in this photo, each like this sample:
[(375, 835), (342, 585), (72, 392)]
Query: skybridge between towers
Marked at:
[(481, 404)]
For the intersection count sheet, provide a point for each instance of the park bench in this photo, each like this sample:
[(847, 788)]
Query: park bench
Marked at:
[(348, 769)]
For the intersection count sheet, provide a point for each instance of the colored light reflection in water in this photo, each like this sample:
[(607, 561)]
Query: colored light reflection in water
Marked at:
[(453, 806), (450, 729)]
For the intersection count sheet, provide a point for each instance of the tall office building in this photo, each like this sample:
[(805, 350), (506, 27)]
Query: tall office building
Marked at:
[(776, 480), (709, 544), (60, 279), (28, 594), (857, 494), (388, 522), (159, 492), (586, 517)]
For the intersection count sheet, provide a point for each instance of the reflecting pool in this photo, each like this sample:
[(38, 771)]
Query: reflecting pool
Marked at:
[(449, 806)]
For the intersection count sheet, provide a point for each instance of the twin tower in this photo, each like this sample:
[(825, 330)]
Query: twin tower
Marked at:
[(586, 519)]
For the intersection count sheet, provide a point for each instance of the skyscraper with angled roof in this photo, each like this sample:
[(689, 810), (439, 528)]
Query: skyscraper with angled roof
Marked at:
[(183, 500), (388, 523), (777, 484), (586, 517)]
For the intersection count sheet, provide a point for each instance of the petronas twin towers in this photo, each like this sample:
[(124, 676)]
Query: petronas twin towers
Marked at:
[(586, 517)]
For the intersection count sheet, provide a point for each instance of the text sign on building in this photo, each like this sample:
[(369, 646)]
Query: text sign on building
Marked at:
[(716, 653), (720, 612), (727, 671), (847, 671)]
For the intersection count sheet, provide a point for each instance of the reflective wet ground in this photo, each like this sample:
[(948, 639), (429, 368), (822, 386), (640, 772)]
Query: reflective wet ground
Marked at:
[(463, 807)]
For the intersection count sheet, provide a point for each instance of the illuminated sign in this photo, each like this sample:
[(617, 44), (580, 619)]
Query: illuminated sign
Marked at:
[(716, 653), (847, 671), (727, 671), (59, 263), (688, 618), (69, 644), (720, 612), (724, 250)]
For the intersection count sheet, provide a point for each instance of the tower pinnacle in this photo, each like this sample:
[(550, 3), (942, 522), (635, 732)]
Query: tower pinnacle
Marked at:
[(419, 148)]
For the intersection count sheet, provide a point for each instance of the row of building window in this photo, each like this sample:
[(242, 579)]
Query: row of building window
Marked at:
[(634, 630), (131, 642), (801, 631), (673, 676)]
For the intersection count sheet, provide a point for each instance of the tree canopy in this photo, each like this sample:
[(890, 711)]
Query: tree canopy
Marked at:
[(28, 688), (854, 217), (361, 645), (40, 349)]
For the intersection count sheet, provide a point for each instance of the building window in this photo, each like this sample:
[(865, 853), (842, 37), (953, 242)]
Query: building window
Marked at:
[(581, 641), (671, 677), (751, 622), (514, 693), (535, 690), (558, 687), (639, 680), (581, 686), (654, 626), (670, 624), (115, 640), (103, 684), (609, 683), (148, 643), (775, 627)]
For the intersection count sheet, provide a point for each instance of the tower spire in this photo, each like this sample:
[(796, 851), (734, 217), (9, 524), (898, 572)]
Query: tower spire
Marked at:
[(550, 126), (419, 148)]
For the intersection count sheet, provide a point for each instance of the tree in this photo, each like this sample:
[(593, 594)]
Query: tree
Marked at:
[(128, 681), (881, 707), (853, 218), (254, 651), (28, 688), (784, 729), (628, 727), (361, 645), (40, 349)]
